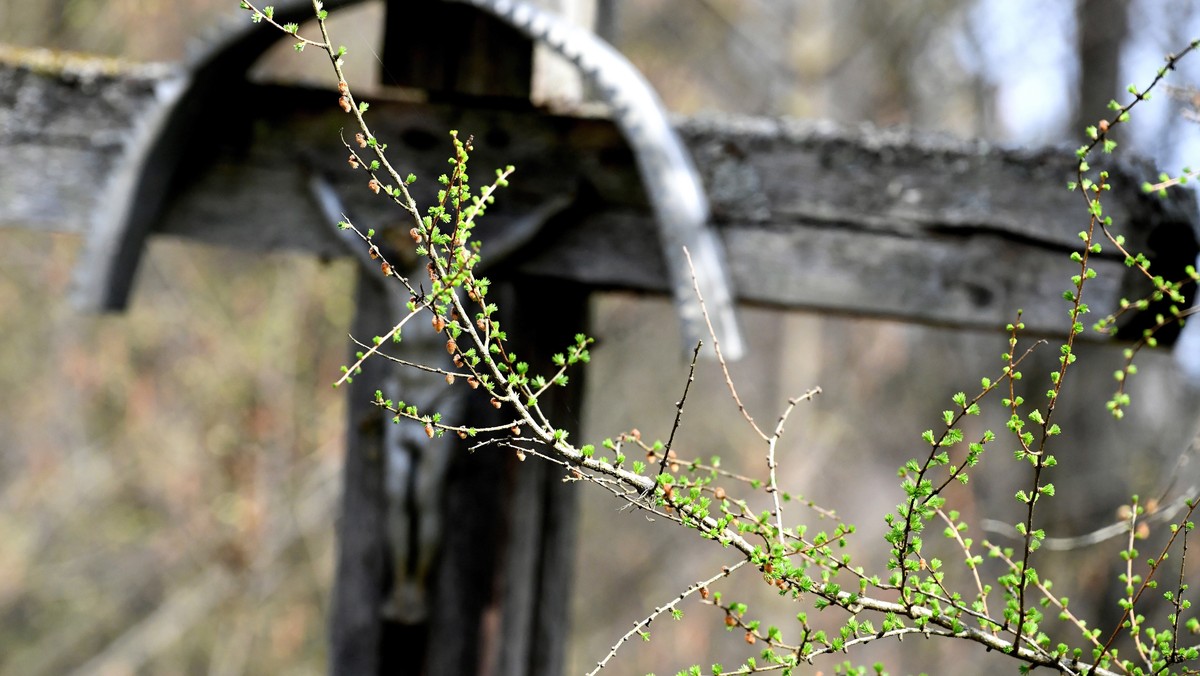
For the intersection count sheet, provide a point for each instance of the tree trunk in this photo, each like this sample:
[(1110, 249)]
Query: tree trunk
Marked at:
[(1102, 26)]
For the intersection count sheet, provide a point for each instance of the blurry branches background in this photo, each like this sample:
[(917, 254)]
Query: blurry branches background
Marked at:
[(168, 476)]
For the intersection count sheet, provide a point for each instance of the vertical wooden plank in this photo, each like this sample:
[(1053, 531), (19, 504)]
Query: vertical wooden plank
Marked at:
[(466, 602), (356, 630), (449, 50), (503, 585), (500, 590), (543, 514)]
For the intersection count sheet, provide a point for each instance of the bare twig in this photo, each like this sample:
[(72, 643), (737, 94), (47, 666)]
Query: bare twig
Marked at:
[(351, 370), (773, 439), (772, 442), (662, 467), (717, 348), (638, 628)]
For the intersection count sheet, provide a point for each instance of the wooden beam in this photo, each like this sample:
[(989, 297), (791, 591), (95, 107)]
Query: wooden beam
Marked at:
[(65, 122), (863, 221)]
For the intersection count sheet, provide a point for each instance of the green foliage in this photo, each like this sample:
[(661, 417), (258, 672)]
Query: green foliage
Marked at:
[(1008, 613)]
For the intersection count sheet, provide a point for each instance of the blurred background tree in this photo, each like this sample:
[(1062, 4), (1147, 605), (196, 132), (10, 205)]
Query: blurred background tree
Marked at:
[(168, 477)]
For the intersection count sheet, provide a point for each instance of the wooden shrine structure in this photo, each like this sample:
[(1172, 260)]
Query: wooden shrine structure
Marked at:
[(813, 216)]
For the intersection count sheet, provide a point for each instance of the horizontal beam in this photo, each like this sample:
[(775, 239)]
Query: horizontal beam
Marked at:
[(858, 221)]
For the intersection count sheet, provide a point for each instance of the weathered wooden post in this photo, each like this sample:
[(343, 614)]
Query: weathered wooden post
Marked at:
[(492, 595)]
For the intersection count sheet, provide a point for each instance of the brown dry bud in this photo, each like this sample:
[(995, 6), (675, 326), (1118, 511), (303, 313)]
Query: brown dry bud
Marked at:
[(353, 162), (495, 403), (429, 430), (449, 378), (719, 493), (636, 434), (730, 621), (387, 269), (451, 346), (750, 638), (343, 88), (344, 102), (438, 323), (520, 455), (362, 140), (704, 592), (415, 234), (374, 186), (516, 430), (1102, 126)]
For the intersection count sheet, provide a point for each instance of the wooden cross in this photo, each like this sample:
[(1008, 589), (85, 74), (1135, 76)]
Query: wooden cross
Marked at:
[(874, 223)]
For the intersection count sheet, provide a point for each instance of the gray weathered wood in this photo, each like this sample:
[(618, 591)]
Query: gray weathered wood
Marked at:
[(863, 221), (356, 634), (65, 121)]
